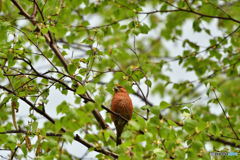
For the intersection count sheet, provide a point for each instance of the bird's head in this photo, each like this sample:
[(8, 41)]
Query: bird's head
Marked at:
[(119, 88)]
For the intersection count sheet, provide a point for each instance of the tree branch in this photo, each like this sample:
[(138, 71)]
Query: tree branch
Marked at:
[(77, 138), (99, 118), (190, 11), (20, 131), (44, 114), (52, 44), (22, 11), (220, 140), (48, 36), (100, 150)]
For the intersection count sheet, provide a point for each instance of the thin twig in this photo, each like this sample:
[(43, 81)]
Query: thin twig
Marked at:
[(15, 150), (40, 11), (190, 11), (225, 114), (189, 6), (34, 13), (36, 47)]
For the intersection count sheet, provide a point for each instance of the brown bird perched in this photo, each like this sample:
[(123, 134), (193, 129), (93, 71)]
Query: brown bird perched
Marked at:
[(121, 104)]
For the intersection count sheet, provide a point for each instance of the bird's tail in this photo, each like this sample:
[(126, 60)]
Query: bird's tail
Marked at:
[(120, 126), (119, 141), (119, 133)]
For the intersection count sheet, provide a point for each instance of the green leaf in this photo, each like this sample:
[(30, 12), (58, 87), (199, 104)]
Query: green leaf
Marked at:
[(34, 126), (144, 29), (5, 100), (44, 30), (145, 107), (190, 125), (134, 124), (155, 110), (24, 149), (140, 138), (170, 122), (164, 105), (81, 89), (2, 129), (91, 137), (11, 61), (85, 23), (148, 83), (107, 134), (63, 107), (72, 68), (196, 25), (68, 137), (159, 152)]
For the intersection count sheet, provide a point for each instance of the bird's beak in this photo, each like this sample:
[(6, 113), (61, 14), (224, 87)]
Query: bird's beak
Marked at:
[(115, 89)]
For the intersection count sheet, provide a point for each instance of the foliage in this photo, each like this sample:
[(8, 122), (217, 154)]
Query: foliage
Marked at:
[(82, 48)]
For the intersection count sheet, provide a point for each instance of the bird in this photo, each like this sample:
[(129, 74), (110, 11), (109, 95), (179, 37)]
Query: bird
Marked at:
[(121, 104)]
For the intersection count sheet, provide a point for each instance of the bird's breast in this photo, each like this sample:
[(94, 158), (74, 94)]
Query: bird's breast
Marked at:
[(122, 104)]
